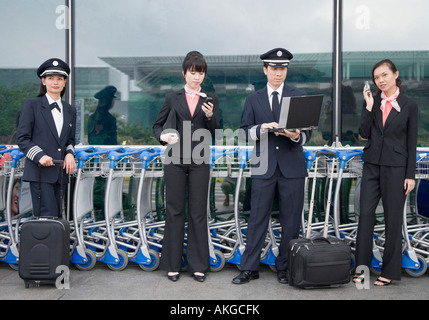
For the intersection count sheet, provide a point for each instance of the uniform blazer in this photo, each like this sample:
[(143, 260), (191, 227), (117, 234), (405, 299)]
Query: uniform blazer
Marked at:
[(394, 144), (281, 151), (37, 136), (175, 115)]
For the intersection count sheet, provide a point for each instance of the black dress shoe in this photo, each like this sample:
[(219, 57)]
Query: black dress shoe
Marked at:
[(245, 276), (199, 278), (282, 276), (173, 277)]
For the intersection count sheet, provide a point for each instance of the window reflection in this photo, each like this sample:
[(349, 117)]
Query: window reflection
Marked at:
[(133, 46)]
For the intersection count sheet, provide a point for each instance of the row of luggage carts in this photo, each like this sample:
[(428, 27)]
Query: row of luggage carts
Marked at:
[(121, 234)]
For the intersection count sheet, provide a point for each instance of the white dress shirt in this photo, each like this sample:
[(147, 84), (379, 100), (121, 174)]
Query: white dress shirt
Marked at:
[(57, 115)]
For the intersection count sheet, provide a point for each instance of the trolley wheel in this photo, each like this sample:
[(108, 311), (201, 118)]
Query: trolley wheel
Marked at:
[(421, 270), (154, 256), (220, 261), (14, 266), (272, 268), (123, 261), (91, 261), (376, 271)]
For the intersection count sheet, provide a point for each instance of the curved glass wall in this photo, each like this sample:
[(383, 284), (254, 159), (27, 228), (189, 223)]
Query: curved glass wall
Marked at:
[(377, 30), (31, 32), (138, 46)]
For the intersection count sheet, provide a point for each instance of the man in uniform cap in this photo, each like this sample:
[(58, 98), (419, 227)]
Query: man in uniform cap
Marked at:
[(45, 133), (281, 168)]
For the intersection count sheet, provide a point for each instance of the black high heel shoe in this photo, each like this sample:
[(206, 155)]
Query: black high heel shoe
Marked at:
[(199, 277), (173, 277)]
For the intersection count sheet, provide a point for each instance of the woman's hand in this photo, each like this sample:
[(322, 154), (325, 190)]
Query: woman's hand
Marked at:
[(69, 163), (367, 95), (169, 138), (409, 185), (46, 161), (208, 109)]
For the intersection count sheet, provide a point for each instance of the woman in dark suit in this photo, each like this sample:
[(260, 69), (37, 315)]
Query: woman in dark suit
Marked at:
[(46, 132), (186, 123), (389, 122)]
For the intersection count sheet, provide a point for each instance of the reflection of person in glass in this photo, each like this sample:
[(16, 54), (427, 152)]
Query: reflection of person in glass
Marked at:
[(389, 122), (14, 207), (187, 178), (102, 128)]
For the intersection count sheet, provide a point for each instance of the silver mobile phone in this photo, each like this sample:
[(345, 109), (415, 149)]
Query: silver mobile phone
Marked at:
[(367, 85)]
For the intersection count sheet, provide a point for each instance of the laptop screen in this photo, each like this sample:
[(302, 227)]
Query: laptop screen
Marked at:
[(301, 112)]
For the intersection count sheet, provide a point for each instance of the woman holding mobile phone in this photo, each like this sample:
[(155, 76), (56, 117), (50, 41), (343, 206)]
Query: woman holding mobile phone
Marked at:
[(186, 123), (389, 122)]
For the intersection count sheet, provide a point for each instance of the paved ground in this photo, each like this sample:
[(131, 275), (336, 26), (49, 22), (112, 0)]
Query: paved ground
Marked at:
[(134, 283)]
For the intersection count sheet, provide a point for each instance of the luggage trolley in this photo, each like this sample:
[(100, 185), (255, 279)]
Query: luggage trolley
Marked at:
[(350, 166), (419, 232), (147, 216), (146, 257), (11, 163), (88, 248), (327, 158), (121, 165), (413, 263), (310, 155), (422, 175), (218, 160), (417, 235), (235, 235)]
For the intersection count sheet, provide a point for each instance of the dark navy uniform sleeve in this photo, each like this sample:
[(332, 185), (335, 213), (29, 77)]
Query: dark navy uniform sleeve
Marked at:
[(24, 135)]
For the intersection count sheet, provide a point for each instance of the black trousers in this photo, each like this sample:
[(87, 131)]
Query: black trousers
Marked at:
[(50, 194), (291, 202), (387, 184), (178, 178)]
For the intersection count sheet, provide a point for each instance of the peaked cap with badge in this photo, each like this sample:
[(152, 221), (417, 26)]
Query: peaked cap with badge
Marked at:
[(278, 57), (53, 66)]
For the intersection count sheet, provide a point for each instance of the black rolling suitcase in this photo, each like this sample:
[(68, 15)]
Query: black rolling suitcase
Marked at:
[(319, 261), (43, 247)]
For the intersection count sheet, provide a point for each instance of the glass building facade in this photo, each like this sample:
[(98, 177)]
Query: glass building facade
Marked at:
[(138, 47)]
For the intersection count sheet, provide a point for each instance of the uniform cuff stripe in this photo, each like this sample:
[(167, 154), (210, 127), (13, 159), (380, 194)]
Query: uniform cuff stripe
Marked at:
[(33, 151)]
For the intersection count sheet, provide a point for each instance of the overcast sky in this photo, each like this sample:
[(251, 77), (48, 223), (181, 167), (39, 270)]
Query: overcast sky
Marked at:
[(31, 30)]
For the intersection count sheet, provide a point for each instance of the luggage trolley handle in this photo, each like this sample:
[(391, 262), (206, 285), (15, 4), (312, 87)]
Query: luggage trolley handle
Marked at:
[(319, 153), (325, 153), (39, 196)]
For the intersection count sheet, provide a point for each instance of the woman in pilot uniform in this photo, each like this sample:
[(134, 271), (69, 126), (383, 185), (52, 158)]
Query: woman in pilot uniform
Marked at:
[(186, 123), (46, 132)]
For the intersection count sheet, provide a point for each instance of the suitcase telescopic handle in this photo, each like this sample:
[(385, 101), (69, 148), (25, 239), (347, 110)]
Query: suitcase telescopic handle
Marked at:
[(61, 186), (321, 239)]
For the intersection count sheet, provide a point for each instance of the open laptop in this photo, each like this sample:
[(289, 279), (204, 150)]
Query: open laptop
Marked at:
[(302, 112)]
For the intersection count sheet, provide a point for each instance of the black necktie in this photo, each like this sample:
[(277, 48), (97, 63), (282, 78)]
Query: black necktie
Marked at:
[(276, 106), (55, 105)]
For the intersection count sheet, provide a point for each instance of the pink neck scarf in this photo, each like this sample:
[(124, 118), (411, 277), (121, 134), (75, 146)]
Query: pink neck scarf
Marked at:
[(190, 98), (391, 99), (193, 93), (387, 103)]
